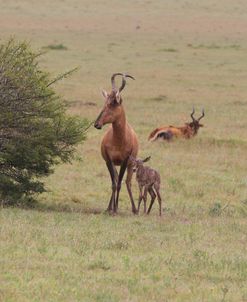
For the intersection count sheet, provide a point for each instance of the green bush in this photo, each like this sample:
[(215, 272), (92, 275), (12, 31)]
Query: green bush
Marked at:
[(35, 131)]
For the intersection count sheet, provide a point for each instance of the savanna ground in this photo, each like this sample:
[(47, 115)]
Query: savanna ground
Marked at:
[(182, 53)]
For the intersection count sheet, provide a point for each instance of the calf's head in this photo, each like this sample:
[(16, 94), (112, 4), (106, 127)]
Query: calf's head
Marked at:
[(137, 162)]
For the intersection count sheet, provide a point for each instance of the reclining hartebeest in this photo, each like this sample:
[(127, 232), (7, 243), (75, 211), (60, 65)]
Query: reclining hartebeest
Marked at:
[(119, 142), (170, 132)]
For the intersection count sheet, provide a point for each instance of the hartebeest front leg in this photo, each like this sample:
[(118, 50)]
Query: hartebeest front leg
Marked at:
[(128, 184), (119, 182), (113, 175)]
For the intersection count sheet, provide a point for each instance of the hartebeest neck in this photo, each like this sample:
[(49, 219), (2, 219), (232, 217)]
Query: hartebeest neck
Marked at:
[(119, 128)]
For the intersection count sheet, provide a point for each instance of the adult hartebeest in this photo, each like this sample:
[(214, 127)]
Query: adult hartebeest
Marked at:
[(119, 142), (186, 131)]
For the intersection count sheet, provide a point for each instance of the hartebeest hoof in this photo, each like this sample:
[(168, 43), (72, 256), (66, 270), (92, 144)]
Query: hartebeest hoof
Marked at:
[(109, 212), (135, 211)]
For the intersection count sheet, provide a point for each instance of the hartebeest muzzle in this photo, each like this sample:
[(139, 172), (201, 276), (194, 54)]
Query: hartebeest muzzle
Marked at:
[(97, 123), (97, 126)]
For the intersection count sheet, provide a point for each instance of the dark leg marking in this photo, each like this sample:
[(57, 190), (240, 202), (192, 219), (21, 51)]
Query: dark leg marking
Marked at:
[(119, 182), (112, 171)]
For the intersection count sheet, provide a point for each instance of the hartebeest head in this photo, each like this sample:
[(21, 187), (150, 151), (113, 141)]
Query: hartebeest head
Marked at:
[(195, 125), (112, 109)]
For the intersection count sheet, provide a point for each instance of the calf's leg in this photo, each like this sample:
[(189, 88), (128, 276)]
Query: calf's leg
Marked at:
[(153, 196), (157, 189), (140, 197), (128, 184), (145, 199)]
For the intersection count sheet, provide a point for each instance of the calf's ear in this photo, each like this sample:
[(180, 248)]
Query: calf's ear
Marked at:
[(146, 159)]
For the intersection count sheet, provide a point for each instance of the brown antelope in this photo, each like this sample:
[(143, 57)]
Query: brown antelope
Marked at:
[(118, 143), (169, 132), (149, 179)]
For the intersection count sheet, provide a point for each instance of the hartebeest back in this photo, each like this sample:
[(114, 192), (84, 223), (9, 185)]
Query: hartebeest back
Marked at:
[(169, 132), (119, 142)]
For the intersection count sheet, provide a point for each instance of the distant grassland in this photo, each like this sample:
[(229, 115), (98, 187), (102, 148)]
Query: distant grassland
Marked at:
[(182, 53)]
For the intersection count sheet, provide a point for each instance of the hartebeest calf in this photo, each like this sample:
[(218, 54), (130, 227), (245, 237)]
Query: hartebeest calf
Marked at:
[(149, 179), (119, 142), (169, 132)]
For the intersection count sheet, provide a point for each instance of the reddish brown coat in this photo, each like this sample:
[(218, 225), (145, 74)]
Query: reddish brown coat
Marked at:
[(169, 132), (119, 142)]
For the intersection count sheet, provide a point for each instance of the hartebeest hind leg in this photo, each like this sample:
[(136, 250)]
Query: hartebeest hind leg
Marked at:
[(128, 184), (119, 182)]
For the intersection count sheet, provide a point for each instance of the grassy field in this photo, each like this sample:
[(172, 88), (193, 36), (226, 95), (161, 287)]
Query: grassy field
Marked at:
[(182, 53)]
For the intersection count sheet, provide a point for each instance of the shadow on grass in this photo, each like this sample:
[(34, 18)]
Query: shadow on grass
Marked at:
[(66, 208)]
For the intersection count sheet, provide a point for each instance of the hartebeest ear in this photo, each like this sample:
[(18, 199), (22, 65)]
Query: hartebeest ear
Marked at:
[(118, 97), (105, 94), (146, 159), (201, 125)]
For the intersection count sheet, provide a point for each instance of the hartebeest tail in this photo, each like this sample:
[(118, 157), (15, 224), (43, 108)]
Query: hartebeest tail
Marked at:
[(119, 142), (169, 132)]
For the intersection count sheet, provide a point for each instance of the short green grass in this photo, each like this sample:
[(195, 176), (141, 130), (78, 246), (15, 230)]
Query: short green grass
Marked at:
[(182, 54)]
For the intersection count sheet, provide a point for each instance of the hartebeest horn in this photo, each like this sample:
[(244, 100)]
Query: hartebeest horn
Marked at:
[(201, 115), (113, 80), (123, 80), (192, 113)]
